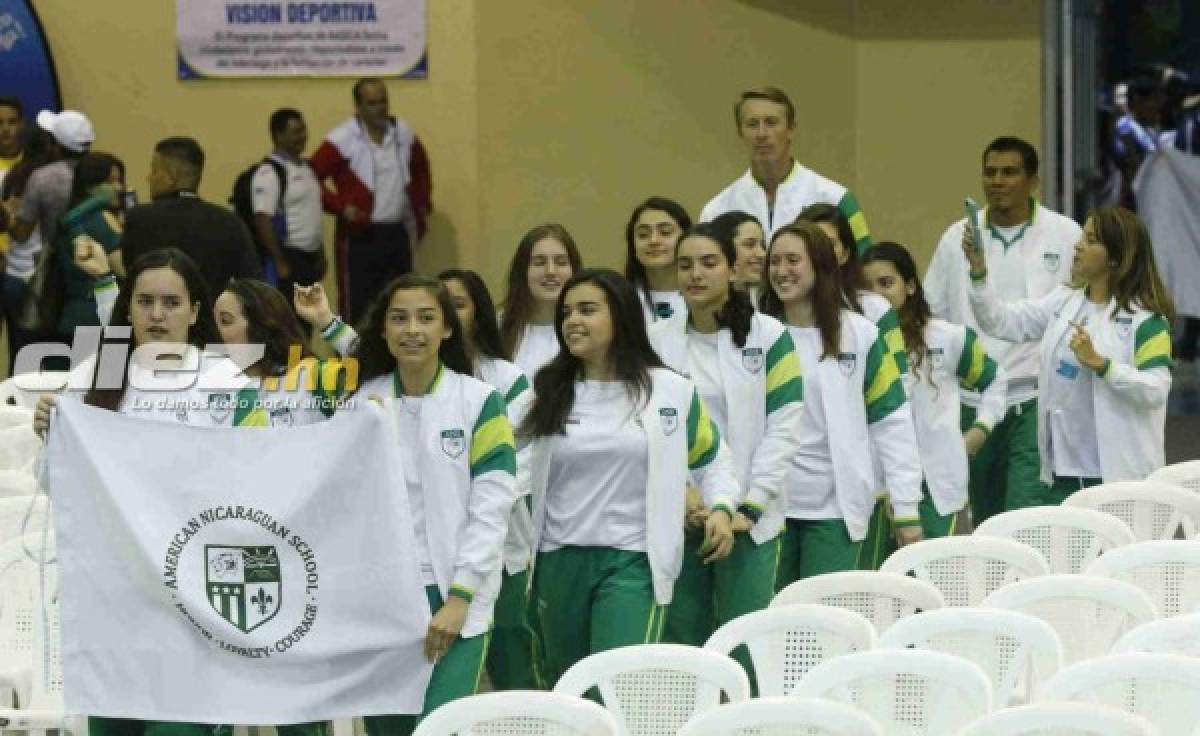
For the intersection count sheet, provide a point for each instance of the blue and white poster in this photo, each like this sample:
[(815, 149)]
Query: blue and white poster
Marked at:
[(376, 38), (26, 67)]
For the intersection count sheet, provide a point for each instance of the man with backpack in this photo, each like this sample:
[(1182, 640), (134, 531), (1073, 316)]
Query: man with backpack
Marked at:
[(280, 201)]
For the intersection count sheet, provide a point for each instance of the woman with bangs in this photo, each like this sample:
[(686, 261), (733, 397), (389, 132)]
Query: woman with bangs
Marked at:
[(856, 415), (651, 234)]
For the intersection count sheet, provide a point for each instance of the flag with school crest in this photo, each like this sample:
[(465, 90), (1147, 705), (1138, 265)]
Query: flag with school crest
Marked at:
[(235, 575)]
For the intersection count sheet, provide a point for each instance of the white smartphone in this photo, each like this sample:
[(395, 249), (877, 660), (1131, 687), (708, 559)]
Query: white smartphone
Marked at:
[(972, 208)]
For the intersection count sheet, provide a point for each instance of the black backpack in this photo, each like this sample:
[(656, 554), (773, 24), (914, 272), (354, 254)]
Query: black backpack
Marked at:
[(242, 199)]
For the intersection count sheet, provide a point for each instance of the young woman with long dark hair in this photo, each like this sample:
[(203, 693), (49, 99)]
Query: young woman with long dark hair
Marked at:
[(614, 439), (943, 360), (746, 371), (746, 232), (650, 237)]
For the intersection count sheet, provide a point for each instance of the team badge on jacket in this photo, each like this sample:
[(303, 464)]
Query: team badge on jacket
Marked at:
[(752, 359), (847, 361), (937, 357), (670, 420), (1124, 326), (454, 442), (1050, 261), (220, 406), (243, 584)]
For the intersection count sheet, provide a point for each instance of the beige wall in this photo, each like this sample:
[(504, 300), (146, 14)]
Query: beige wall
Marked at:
[(539, 110), (932, 90)]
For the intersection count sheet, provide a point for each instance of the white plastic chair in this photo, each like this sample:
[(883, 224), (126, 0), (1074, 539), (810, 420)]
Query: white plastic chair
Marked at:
[(1016, 651), (783, 717), (29, 638), (1185, 474), (966, 569), (654, 689), (786, 642), (23, 515), (905, 691), (1169, 572), (1061, 719), (519, 713), (25, 389), (882, 597), (1162, 688), (1068, 537), (1088, 613), (1151, 509), (1179, 635)]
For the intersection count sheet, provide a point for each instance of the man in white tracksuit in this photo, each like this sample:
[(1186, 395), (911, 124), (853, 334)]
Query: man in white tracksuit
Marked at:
[(1029, 250), (776, 187)]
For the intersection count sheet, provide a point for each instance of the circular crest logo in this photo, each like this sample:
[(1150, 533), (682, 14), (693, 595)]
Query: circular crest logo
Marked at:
[(246, 581)]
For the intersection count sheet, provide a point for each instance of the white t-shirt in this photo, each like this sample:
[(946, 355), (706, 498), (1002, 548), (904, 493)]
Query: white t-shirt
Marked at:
[(538, 346), (408, 412), (596, 490), (704, 364), (810, 480), (390, 197), (1072, 416), (301, 201)]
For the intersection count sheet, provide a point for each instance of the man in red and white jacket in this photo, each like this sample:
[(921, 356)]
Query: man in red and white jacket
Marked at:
[(381, 195)]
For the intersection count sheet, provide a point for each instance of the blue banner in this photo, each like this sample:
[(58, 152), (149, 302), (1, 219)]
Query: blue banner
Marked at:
[(26, 66)]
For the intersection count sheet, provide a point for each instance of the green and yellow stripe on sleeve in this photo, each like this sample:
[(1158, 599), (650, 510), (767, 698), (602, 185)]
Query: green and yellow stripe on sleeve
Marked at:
[(889, 330), (1152, 344), (703, 437), (492, 443), (248, 410), (518, 387), (784, 382), (853, 213), (976, 369), (882, 387)]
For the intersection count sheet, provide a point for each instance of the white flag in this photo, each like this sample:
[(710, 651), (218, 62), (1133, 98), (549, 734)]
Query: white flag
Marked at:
[(235, 575), (1168, 198)]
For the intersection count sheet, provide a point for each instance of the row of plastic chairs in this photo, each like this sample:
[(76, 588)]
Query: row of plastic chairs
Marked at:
[(662, 689)]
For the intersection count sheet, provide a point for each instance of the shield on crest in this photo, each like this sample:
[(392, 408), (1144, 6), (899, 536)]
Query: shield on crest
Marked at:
[(454, 442), (670, 420), (937, 356), (752, 359), (220, 406), (1051, 261), (244, 584), (847, 362), (1124, 326)]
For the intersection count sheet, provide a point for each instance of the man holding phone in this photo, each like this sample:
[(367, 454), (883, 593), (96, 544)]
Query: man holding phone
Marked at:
[(1029, 252)]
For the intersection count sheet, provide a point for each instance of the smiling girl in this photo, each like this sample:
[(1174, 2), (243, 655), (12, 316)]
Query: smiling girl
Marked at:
[(546, 257), (650, 237), (614, 439), (855, 414)]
